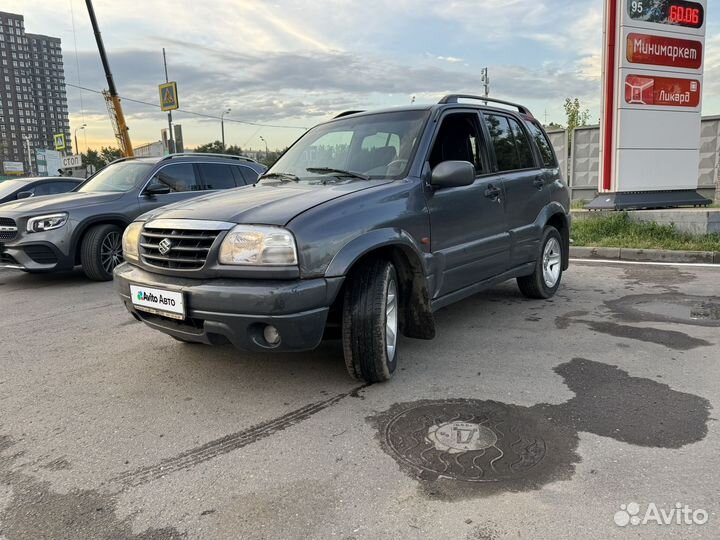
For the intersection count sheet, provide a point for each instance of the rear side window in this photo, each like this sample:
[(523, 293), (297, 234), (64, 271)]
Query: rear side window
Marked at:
[(217, 176), (543, 144), (502, 141), (511, 144), (522, 144), (179, 178)]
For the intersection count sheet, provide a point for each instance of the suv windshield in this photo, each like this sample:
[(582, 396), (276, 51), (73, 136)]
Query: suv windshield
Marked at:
[(373, 146), (118, 177)]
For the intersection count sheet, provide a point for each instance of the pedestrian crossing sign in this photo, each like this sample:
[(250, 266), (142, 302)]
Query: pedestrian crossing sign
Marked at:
[(59, 140), (169, 96)]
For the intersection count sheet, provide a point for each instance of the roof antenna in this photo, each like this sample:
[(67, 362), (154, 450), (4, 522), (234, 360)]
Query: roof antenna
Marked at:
[(485, 79)]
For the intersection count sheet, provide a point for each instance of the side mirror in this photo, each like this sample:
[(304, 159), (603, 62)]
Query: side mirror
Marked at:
[(24, 195), (157, 189), (453, 174)]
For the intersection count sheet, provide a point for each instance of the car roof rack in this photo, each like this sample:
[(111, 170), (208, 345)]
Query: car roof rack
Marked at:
[(347, 113), (123, 158), (453, 98), (210, 154)]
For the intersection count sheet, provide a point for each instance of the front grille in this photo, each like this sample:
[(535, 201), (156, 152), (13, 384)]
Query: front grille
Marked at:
[(189, 248), (8, 229), (41, 254)]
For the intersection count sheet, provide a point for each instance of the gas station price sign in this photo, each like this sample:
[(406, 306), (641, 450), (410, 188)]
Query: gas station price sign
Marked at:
[(672, 12)]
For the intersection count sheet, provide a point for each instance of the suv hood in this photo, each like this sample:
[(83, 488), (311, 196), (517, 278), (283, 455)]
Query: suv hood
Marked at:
[(63, 202), (262, 204)]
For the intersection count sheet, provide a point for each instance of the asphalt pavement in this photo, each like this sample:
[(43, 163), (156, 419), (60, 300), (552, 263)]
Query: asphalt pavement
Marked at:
[(587, 416)]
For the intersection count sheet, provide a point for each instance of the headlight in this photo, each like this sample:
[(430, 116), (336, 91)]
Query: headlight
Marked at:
[(131, 240), (258, 245), (47, 223)]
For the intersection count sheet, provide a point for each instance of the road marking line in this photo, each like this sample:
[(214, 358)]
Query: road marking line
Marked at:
[(648, 263)]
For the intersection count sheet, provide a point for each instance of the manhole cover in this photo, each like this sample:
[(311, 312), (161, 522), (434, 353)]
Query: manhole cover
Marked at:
[(472, 441)]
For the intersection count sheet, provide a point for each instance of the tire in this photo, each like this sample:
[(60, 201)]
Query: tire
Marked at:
[(545, 280), (371, 299), (101, 252)]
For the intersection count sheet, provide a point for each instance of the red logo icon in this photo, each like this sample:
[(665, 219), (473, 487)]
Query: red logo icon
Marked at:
[(662, 91)]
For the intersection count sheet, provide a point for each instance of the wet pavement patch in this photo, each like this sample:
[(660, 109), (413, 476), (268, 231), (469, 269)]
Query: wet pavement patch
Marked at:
[(634, 410), (37, 512), (671, 308), (667, 338), (664, 277), (467, 448)]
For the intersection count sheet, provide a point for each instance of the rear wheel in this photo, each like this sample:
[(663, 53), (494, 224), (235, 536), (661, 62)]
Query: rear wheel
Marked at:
[(370, 321), (544, 282), (101, 252)]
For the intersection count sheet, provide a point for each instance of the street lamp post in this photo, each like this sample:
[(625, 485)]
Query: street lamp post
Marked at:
[(29, 154), (266, 148), (77, 148), (222, 126)]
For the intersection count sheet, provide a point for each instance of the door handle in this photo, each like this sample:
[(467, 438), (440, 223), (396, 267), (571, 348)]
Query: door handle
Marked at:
[(492, 192), (539, 182)]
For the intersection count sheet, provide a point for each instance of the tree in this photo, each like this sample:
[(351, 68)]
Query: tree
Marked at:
[(110, 154), (576, 115), (216, 147), (98, 159)]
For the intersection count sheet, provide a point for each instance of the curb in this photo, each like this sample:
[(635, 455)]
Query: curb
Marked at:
[(645, 255)]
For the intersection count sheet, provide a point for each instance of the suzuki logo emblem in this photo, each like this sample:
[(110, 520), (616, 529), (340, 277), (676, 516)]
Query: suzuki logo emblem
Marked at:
[(165, 246)]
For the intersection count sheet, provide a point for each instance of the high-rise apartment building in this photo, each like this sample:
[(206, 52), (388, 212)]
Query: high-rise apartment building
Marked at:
[(33, 100)]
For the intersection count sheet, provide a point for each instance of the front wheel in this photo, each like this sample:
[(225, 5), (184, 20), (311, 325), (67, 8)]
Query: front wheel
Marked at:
[(370, 321), (101, 252), (544, 282)]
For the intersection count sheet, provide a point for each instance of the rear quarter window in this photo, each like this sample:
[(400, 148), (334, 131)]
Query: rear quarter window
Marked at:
[(546, 151)]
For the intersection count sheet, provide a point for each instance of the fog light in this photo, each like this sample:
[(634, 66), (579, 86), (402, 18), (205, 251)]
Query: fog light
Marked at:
[(271, 335)]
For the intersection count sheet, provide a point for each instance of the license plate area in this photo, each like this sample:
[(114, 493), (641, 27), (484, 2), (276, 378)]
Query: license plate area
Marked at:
[(160, 302)]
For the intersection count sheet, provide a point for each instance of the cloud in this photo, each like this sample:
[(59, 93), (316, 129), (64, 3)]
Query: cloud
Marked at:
[(449, 59), (298, 62)]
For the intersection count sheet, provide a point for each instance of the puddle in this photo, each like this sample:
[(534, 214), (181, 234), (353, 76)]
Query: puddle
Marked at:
[(674, 308), (660, 277), (464, 448)]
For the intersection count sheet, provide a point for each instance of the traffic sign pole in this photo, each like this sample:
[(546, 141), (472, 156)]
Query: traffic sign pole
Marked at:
[(171, 141)]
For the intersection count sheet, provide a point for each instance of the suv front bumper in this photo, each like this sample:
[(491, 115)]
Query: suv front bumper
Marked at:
[(237, 310), (34, 257)]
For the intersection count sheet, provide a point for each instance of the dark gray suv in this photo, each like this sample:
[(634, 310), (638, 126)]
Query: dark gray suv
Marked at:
[(85, 226), (364, 228)]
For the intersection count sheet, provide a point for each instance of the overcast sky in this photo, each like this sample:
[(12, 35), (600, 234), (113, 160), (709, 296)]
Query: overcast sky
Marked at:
[(295, 63)]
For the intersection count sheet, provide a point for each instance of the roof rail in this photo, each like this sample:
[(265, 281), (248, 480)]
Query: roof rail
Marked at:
[(453, 98), (123, 158), (347, 113), (196, 154)]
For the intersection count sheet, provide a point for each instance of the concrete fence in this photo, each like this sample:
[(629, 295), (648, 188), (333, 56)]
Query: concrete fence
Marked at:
[(583, 168)]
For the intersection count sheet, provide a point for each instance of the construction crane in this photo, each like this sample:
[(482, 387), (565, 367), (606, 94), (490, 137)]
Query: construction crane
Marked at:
[(112, 99)]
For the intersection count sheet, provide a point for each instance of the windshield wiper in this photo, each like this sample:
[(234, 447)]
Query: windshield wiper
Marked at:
[(337, 172), (281, 175)]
